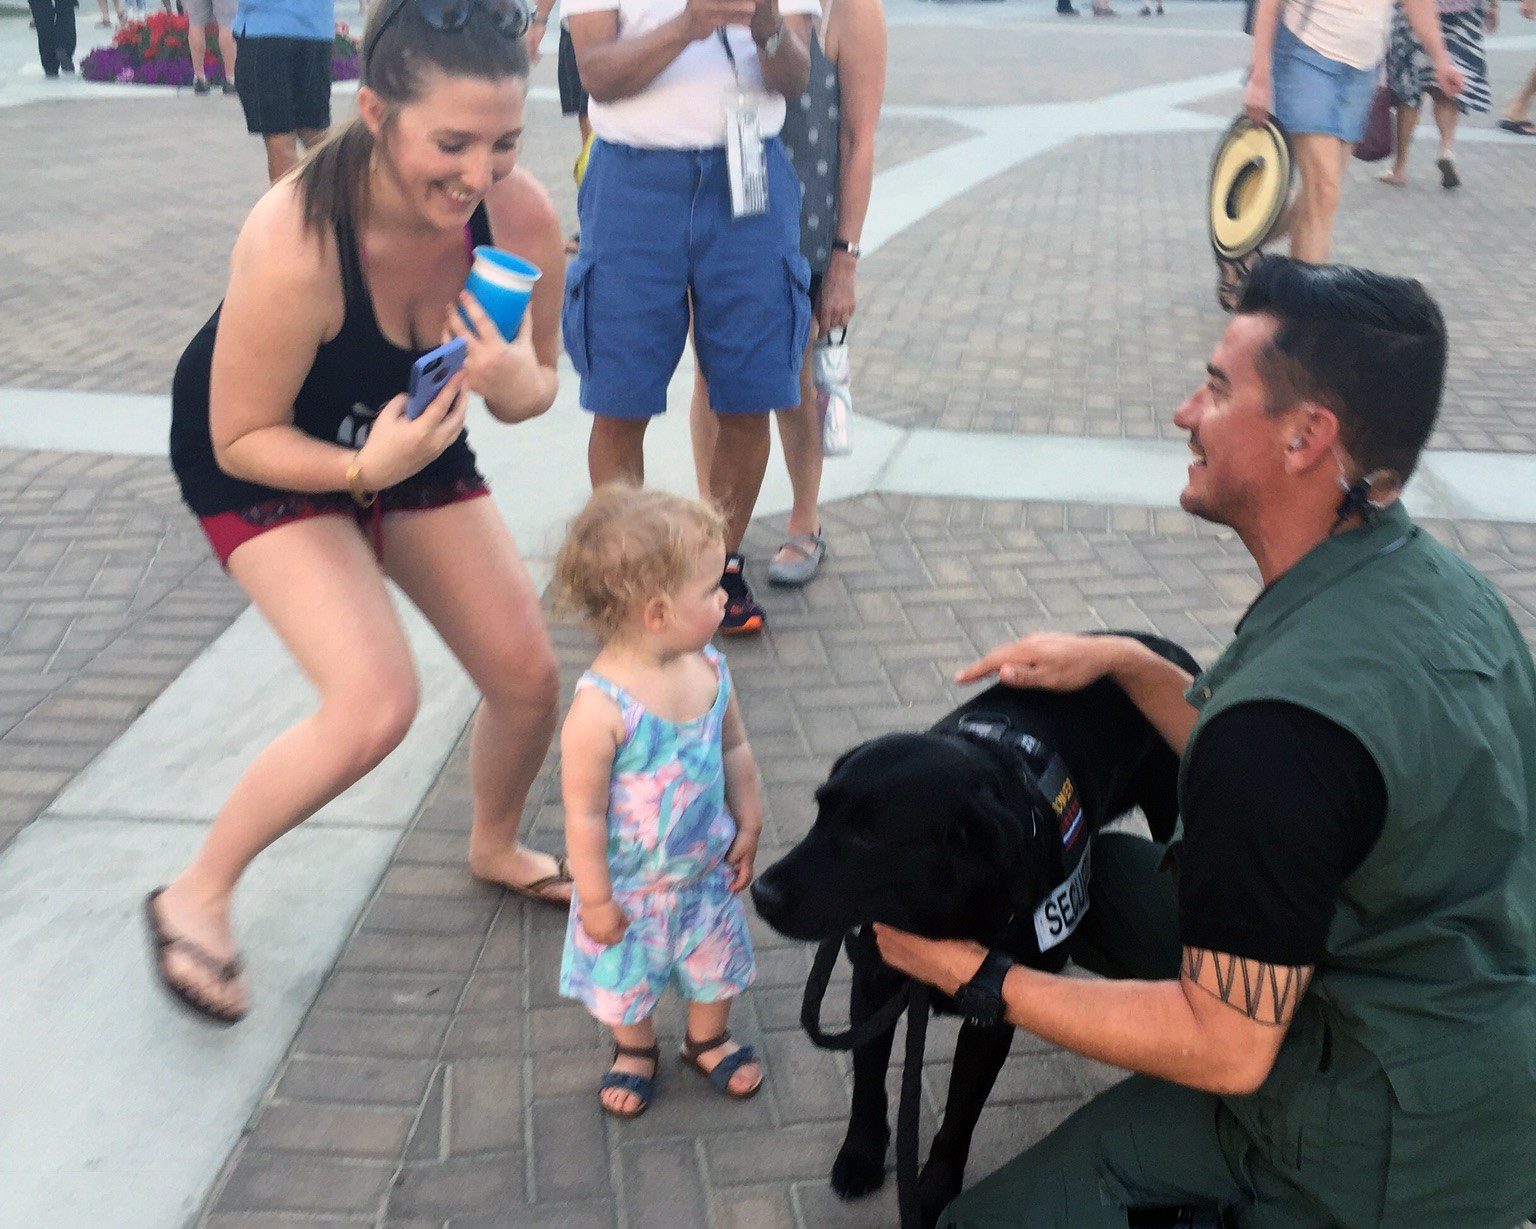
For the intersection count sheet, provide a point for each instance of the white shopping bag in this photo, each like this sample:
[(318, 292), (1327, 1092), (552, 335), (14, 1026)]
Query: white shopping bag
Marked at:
[(834, 396)]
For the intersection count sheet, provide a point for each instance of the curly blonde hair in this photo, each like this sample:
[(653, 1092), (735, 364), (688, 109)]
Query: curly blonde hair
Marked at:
[(628, 545)]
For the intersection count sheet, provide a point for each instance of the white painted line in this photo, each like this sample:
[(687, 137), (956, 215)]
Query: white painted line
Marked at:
[(49, 420), (181, 758), (951, 464), (537, 469), (119, 1108)]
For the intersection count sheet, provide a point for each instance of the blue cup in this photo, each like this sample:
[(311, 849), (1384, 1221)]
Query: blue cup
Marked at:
[(502, 284)]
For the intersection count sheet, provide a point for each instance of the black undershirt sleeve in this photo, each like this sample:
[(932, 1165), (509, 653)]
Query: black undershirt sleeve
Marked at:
[(1280, 806)]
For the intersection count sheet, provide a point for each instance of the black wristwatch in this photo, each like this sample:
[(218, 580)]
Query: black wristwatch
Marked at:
[(980, 1000)]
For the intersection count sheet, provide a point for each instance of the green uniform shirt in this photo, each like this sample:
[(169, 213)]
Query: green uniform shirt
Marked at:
[(1405, 1090)]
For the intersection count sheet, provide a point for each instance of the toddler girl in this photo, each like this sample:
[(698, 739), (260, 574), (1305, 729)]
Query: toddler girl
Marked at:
[(662, 813)]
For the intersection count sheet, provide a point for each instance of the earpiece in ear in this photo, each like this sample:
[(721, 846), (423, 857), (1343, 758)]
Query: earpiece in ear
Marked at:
[(1295, 445)]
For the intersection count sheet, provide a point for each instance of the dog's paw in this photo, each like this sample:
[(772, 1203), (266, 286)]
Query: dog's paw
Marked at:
[(937, 1184), (856, 1172)]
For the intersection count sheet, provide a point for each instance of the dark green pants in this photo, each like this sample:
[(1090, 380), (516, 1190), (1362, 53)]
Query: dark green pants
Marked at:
[(1144, 1143)]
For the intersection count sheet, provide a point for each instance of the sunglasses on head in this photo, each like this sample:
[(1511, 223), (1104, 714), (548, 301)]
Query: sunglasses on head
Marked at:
[(511, 16)]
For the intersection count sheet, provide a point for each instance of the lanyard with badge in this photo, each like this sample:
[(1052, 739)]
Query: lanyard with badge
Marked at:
[(745, 156)]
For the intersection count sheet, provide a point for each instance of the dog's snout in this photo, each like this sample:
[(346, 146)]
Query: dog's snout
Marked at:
[(768, 897)]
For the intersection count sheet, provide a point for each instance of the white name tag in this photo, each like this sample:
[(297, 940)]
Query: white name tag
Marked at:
[(1061, 911), (746, 157)]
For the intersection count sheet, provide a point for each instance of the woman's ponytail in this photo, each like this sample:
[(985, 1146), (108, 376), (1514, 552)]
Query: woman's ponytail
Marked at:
[(333, 179)]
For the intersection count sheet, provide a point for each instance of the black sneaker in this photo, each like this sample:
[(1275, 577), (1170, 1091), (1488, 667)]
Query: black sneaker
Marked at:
[(200, 85), (67, 66), (229, 88), (743, 615)]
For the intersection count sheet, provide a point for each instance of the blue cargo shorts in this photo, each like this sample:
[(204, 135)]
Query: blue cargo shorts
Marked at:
[(658, 239)]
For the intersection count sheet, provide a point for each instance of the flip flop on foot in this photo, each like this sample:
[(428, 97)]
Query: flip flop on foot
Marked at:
[(722, 1072), (223, 972), (1448, 177), (1393, 178), (639, 1088), (1522, 127), (548, 889)]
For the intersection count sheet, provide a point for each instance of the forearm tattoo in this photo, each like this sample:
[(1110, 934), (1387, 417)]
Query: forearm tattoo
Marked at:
[(1265, 993)]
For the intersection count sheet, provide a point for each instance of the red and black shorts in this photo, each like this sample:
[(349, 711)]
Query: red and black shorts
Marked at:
[(227, 530)]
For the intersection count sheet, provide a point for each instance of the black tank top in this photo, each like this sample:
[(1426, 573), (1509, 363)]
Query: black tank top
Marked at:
[(354, 375)]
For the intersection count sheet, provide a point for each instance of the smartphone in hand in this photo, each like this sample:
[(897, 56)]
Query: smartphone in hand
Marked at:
[(430, 372)]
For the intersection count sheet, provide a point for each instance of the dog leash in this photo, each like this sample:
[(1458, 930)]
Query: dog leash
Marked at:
[(911, 997), (816, 990)]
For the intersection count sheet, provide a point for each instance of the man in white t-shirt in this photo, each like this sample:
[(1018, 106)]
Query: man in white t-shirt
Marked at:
[(1314, 68), (666, 241)]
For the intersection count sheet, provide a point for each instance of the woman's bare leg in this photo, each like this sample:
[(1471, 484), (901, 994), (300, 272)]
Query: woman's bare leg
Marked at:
[(800, 436), (1407, 121), (1321, 160), (462, 569), (1447, 116), (316, 582), (1519, 108)]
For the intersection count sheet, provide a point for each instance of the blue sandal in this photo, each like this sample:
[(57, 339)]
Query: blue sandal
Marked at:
[(720, 1075), (642, 1086)]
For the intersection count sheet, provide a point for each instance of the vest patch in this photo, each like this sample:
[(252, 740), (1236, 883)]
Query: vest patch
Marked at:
[(1063, 908)]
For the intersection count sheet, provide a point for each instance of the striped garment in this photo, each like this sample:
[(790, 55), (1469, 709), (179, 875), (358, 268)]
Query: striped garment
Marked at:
[(1409, 72)]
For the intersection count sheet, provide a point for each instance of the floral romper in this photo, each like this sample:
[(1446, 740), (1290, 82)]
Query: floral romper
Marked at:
[(668, 833)]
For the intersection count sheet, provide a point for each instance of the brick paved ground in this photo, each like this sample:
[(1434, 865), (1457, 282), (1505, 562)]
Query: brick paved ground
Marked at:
[(107, 591), (1075, 294), (441, 1080), (113, 287)]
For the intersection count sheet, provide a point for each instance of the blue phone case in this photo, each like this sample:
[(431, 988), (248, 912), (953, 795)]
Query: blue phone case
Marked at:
[(430, 372)]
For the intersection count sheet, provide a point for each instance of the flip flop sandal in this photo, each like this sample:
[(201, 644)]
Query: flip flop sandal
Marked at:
[(1448, 176), (539, 888), (223, 971), (1232, 272), (642, 1086), (811, 549), (720, 1075), (1522, 127)]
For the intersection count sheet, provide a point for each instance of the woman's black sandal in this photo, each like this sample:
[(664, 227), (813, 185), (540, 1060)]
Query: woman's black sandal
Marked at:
[(643, 1087), (223, 971), (720, 1075)]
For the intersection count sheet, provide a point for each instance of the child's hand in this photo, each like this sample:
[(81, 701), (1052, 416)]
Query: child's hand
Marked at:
[(604, 923), (741, 855)]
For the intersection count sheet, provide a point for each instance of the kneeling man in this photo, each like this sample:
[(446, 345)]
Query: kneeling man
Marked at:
[(1350, 1038)]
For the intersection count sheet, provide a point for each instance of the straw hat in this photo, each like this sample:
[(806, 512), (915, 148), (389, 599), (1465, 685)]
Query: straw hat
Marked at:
[(1251, 177)]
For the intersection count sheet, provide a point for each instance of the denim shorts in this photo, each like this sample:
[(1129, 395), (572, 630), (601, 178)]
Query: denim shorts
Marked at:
[(657, 238), (1316, 94)]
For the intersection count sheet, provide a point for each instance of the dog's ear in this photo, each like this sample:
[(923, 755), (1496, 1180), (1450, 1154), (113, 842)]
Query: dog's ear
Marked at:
[(981, 830), (825, 790)]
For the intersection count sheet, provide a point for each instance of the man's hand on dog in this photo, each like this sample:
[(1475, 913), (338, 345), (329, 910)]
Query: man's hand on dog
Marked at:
[(1049, 661), (604, 923), (741, 856), (945, 964)]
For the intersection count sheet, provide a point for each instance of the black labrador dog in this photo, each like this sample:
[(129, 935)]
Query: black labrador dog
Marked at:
[(980, 828)]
